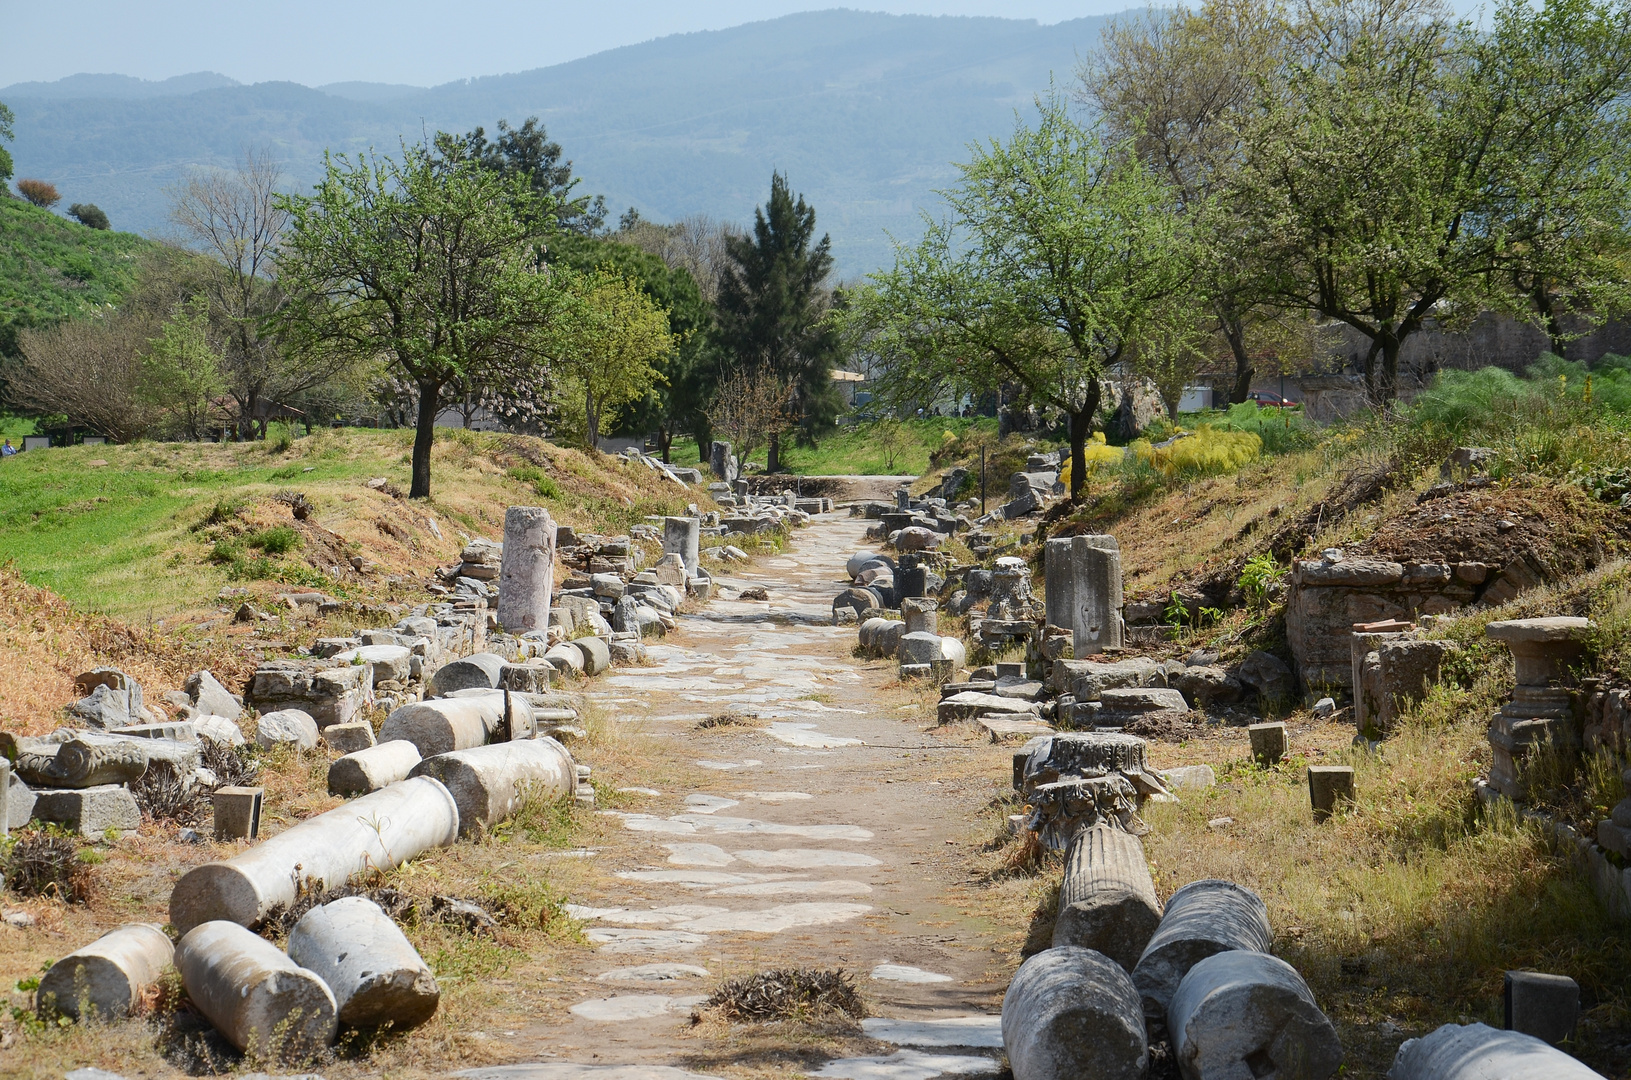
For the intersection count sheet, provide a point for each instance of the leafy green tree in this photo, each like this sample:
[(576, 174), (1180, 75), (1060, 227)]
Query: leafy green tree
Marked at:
[(1060, 253), (1408, 168), (528, 153), (608, 350), (1553, 82), (675, 403), (181, 370), (89, 215), (772, 310), (1179, 84), (426, 261)]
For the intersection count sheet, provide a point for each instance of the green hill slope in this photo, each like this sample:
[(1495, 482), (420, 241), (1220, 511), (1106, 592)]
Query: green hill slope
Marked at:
[(52, 268)]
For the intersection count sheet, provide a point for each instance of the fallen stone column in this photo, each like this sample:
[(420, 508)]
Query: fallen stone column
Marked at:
[(369, 770), (1107, 901), (375, 974), (1070, 1013), (527, 571), (443, 725), (258, 998), (1202, 919), (489, 783), (1476, 1052), (1250, 1014), (109, 975), (375, 832)]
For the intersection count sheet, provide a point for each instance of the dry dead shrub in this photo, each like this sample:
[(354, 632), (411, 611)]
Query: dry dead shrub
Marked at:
[(785, 994), (163, 794), (47, 864)]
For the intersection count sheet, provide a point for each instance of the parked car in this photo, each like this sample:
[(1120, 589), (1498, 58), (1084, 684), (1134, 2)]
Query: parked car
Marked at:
[(1272, 401)]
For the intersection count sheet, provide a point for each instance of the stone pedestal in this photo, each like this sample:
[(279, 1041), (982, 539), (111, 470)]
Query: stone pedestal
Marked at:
[(920, 615), (680, 535), (1329, 785), (1538, 714), (1082, 576), (527, 572), (1367, 667), (1268, 742), (1545, 1006), (237, 812)]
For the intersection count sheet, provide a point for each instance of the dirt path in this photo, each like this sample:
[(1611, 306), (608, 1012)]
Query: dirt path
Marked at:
[(826, 831)]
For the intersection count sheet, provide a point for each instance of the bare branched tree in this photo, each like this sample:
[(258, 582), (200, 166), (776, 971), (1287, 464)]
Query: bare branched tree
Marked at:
[(695, 244), (233, 217), (749, 408), (89, 370)]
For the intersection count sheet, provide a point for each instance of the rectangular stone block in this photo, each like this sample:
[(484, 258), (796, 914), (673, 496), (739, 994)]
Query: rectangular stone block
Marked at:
[(91, 811), (1545, 1006), (1268, 742), (347, 738), (237, 813), (1329, 785)]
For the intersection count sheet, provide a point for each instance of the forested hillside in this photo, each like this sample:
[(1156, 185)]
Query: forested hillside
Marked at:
[(51, 267), (864, 112)]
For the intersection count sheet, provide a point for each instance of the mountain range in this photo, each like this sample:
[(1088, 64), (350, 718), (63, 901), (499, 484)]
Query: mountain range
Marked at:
[(866, 114)]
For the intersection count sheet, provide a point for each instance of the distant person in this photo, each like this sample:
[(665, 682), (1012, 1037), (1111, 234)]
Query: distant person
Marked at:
[(7, 450)]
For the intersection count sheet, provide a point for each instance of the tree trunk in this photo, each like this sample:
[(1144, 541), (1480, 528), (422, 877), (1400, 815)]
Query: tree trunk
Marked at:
[(773, 456), (1371, 387), (1236, 336), (423, 437), (1388, 384), (591, 420), (1081, 428), (665, 441), (1542, 299)]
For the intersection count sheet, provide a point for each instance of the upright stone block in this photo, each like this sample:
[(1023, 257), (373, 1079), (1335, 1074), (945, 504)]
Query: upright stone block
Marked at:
[(1545, 1006), (721, 462), (1268, 742), (237, 812), (5, 801), (1058, 578), (1095, 595), (527, 571), (680, 537), (1329, 785)]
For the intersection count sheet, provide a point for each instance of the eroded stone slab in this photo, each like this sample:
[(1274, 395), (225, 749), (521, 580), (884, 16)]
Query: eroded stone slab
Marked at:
[(617, 940), (568, 1070), (981, 1031), (653, 973), (633, 1007), (806, 735), (840, 887), (903, 974), (773, 796), (709, 804), (728, 766), (806, 858), (907, 1065), (776, 919)]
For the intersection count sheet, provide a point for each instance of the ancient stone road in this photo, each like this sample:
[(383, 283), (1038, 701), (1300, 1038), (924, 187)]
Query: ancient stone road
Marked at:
[(815, 835)]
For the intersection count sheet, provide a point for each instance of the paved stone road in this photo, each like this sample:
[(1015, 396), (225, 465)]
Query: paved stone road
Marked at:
[(816, 834)]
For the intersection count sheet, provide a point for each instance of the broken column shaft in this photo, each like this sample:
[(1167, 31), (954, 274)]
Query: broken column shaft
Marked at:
[(1107, 901), (1071, 1012), (527, 569)]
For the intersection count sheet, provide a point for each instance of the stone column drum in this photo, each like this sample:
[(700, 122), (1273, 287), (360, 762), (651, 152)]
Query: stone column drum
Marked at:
[(1107, 900), (258, 998), (1538, 714), (1250, 1014), (527, 570), (376, 975), (489, 783), (1072, 1013), (107, 976), (1202, 919), (375, 832), (1477, 1052)]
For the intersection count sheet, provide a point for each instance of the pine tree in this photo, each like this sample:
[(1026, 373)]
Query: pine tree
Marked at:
[(772, 308)]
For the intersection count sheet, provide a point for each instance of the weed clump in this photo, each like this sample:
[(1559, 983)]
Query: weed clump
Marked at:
[(786, 994), (48, 864), (163, 794)]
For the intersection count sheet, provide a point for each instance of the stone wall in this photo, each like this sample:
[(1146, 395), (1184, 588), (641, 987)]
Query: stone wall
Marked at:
[(1328, 598)]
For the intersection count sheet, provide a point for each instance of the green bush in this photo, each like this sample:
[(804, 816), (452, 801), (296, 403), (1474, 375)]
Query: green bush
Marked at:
[(277, 540), (1283, 431)]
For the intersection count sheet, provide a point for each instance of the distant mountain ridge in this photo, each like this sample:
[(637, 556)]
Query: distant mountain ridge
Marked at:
[(865, 112)]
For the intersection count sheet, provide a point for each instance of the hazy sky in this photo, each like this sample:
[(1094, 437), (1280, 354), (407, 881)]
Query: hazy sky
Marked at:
[(422, 42)]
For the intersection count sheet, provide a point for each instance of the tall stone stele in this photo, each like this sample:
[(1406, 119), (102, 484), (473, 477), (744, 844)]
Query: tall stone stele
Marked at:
[(527, 571), (682, 536), (1083, 583)]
